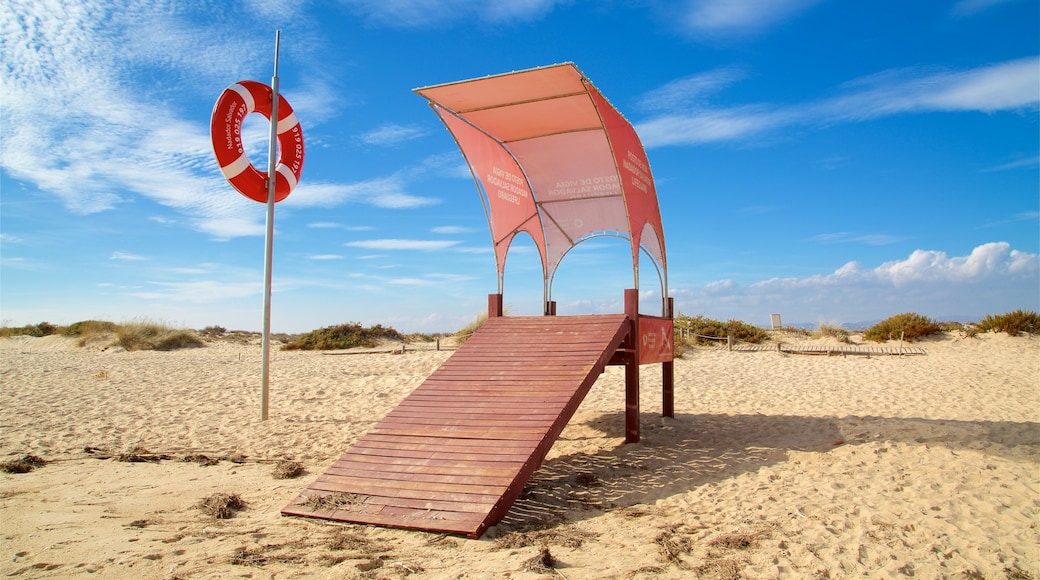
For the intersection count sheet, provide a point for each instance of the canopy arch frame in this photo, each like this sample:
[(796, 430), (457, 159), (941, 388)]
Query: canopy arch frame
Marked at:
[(552, 157)]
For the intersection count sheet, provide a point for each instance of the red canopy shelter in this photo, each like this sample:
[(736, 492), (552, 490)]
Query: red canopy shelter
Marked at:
[(553, 158)]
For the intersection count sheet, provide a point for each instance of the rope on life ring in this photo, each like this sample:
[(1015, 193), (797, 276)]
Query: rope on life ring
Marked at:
[(237, 101)]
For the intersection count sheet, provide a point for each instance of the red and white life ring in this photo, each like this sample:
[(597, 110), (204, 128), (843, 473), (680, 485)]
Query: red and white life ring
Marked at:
[(237, 101)]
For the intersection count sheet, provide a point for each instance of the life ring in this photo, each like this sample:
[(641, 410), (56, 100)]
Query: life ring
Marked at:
[(237, 101)]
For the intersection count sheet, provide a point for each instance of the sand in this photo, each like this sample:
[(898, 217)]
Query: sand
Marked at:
[(775, 466)]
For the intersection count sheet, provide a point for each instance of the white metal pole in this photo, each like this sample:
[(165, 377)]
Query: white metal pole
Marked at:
[(272, 159)]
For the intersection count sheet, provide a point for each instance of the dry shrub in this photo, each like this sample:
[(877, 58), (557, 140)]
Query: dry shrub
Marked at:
[(908, 326), (35, 330), (826, 330), (221, 505), (699, 326), (23, 464), (147, 335), (1011, 322), (343, 336), (288, 469), (464, 334)]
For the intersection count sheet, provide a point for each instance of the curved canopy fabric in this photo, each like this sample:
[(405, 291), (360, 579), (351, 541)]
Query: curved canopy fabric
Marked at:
[(553, 158)]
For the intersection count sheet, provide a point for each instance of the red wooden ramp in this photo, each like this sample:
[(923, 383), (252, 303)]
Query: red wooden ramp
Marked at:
[(456, 453)]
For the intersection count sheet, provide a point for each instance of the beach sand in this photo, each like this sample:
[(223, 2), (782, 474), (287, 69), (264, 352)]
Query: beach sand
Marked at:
[(775, 466)]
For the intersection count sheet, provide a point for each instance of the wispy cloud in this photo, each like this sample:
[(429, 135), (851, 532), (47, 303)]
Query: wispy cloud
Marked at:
[(690, 90), (391, 134), (201, 292), (85, 122), (739, 17), (127, 256), (1027, 163), (451, 230), (399, 244), (1005, 86), (847, 238), (966, 8), (423, 13), (386, 192)]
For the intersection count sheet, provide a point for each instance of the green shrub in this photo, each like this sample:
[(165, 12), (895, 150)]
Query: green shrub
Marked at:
[(350, 335), (146, 335), (1011, 322), (698, 326), (909, 326), (213, 331), (36, 330), (87, 328)]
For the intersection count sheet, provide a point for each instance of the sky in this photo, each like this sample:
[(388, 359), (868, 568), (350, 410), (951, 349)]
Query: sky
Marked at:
[(832, 162)]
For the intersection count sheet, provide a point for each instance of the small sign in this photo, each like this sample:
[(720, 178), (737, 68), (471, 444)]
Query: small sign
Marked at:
[(656, 336)]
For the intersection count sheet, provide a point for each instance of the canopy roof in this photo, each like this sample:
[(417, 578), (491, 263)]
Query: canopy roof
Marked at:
[(553, 158)]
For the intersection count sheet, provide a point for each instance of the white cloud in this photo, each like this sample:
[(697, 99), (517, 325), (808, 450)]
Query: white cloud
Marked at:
[(398, 244), (992, 278), (87, 109)]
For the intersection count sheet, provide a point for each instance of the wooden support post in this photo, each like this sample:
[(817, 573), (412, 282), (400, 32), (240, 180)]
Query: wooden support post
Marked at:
[(668, 371), (631, 346), (494, 305), (550, 308)]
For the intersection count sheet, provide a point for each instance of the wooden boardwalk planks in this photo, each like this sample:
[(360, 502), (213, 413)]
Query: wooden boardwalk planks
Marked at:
[(831, 349), (456, 453)]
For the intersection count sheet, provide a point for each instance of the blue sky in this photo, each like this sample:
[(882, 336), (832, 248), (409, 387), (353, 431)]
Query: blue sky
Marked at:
[(830, 161)]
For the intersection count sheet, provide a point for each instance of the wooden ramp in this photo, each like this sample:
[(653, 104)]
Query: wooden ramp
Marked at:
[(456, 453)]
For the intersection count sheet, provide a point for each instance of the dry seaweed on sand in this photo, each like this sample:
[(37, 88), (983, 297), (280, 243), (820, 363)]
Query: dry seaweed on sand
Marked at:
[(333, 501), (140, 455), (543, 563), (565, 536), (288, 469), (200, 459), (23, 464), (674, 545), (221, 505)]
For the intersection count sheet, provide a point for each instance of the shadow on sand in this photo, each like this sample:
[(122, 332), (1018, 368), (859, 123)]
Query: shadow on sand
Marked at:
[(681, 454)]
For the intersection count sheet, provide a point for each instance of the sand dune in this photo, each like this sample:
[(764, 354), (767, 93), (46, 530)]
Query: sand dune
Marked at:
[(776, 465)]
